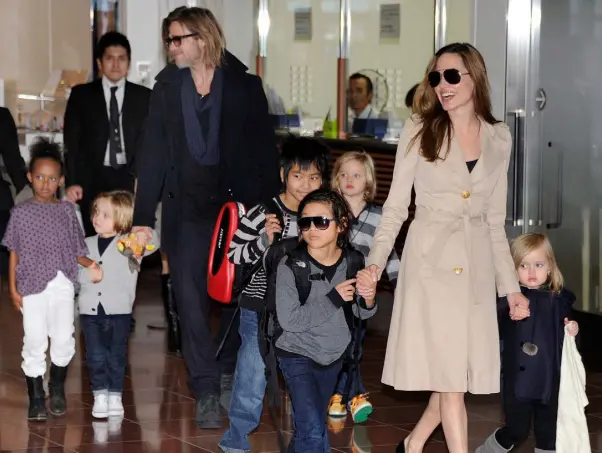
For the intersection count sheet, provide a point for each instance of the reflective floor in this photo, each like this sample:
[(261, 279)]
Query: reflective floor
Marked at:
[(159, 413)]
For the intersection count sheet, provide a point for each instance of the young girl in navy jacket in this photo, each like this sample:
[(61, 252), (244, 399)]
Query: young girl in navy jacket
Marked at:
[(533, 340)]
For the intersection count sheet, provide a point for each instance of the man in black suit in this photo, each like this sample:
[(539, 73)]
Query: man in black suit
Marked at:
[(103, 121), (15, 166), (208, 139)]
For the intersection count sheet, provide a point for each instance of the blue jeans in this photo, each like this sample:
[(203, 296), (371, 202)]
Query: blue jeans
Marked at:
[(106, 350), (248, 389), (356, 386), (310, 387)]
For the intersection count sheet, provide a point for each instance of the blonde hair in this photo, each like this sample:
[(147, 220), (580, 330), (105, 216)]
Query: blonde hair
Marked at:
[(203, 23), (529, 242), (122, 203), (366, 160)]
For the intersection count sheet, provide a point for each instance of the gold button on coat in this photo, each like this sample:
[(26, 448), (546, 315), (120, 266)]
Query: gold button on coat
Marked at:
[(465, 194), (458, 270)]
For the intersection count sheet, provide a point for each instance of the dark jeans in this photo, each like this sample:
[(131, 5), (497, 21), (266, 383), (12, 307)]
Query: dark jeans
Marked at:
[(189, 266), (349, 375), (106, 350), (518, 420), (310, 387)]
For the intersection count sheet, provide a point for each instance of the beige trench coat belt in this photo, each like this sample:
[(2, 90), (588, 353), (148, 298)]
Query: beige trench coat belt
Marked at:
[(452, 224)]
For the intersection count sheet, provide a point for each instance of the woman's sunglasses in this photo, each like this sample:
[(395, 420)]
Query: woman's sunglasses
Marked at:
[(320, 222), (451, 76)]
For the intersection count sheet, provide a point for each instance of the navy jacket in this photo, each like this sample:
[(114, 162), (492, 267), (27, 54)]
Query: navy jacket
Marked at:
[(535, 377)]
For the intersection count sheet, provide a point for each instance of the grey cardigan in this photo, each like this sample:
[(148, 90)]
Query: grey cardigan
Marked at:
[(318, 329), (117, 289)]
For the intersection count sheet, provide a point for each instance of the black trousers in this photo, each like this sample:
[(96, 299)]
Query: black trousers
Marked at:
[(518, 420), (106, 180), (188, 267)]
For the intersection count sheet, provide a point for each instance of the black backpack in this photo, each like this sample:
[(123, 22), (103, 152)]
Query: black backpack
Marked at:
[(297, 259)]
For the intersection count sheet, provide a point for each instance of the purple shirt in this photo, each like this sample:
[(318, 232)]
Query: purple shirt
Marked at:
[(48, 239)]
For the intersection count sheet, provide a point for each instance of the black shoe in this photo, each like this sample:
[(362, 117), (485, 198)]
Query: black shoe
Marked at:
[(207, 412), (225, 396), (56, 388), (401, 447), (37, 399), (174, 342)]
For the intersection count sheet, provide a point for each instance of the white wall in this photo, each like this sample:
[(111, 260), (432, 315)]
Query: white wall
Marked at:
[(489, 36)]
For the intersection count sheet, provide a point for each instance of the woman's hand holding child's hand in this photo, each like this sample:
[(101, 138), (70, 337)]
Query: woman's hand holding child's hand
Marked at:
[(366, 284), (346, 289), (95, 272), (573, 327), (519, 306), (17, 300), (272, 226)]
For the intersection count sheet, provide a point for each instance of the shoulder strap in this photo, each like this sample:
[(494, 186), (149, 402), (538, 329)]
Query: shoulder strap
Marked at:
[(272, 207), (301, 270), (355, 262)]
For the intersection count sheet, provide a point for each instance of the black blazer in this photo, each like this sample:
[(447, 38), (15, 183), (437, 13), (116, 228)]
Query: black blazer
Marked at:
[(249, 161), (11, 155), (87, 129)]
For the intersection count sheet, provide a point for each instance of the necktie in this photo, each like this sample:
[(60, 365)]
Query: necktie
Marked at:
[(115, 133)]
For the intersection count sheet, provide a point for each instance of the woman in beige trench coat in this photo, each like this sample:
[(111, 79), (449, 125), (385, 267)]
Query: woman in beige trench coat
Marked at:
[(443, 335)]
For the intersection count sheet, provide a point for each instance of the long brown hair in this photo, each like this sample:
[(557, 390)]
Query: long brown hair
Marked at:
[(436, 126)]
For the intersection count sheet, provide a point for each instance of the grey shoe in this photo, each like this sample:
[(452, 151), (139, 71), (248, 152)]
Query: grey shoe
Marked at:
[(207, 412), (491, 446), (226, 391)]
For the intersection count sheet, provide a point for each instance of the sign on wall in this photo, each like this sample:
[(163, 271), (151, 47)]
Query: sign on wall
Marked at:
[(390, 21), (303, 30)]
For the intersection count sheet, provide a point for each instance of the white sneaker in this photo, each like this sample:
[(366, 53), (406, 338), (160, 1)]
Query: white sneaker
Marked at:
[(115, 405), (101, 432), (101, 406)]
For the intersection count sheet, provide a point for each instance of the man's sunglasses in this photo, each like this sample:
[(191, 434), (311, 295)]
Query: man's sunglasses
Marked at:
[(451, 76), (320, 222), (177, 40)]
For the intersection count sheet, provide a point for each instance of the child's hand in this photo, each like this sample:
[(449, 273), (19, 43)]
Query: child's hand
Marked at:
[(573, 327), (366, 284), (346, 289), (272, 225), (520, 312), (17, 300), (95, 272)]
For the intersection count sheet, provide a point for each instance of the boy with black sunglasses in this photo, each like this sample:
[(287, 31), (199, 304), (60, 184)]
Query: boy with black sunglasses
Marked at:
[(303, 167)]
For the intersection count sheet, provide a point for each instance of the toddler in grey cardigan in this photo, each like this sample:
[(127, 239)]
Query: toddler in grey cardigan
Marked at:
[(106, 307)]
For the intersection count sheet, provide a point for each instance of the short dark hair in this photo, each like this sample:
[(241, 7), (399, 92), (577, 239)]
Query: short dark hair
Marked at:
[(359, 76), (410, 96), (341, 211), (304, 152), (112, 39), (45, 149)]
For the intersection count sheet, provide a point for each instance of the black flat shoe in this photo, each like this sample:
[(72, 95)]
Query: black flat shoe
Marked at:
[(401, 447)]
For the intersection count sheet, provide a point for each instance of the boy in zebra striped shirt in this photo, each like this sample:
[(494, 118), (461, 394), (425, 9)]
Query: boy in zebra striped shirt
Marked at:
[(303, 167)]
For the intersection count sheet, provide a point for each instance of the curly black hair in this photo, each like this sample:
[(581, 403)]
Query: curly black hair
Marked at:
[(45, 149), (341, 211)]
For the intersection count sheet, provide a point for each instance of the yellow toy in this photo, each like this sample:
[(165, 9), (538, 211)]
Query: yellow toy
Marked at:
[(130, 247)]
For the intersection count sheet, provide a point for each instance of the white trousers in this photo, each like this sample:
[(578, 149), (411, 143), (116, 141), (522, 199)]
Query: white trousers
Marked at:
[(48, 314)]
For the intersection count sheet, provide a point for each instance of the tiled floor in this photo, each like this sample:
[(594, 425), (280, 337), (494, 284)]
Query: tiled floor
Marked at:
[(159, 416)]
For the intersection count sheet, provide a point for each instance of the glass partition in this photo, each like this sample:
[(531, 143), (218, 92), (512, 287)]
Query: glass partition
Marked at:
[(458, 21), (391, 43), (301, 63)]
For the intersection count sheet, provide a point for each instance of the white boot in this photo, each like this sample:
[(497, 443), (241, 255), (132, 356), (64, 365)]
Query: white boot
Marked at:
[(491, 446)]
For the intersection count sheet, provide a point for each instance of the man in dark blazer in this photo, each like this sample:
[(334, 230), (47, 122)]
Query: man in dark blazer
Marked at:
[(208, 139), (15, 166), (103, 121)]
